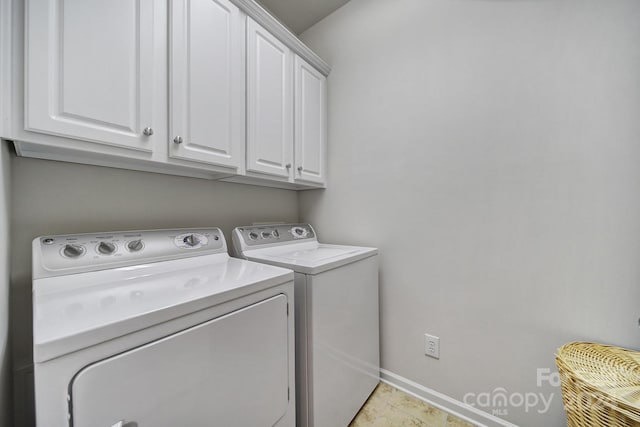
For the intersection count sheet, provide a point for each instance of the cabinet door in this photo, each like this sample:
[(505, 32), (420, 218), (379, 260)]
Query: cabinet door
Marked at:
[(230, 371), (89, 69), (310, 123), (207, 82), (270, 102)]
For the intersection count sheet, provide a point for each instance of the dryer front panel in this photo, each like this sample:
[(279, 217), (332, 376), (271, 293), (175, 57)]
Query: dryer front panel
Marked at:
[(230, 371)]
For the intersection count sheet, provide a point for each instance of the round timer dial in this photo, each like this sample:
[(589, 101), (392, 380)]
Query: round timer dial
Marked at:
[(299, 232), (135, 245), (73, 251), (191, 241), (106, 248)]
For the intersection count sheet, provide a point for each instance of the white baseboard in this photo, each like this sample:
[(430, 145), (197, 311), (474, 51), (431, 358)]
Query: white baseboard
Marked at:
[(444, 402)]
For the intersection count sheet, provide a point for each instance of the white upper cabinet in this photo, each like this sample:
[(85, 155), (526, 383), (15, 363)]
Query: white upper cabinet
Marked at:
[(269, 103), (310, 123), (89, 70), (207, 82), (214, 89)]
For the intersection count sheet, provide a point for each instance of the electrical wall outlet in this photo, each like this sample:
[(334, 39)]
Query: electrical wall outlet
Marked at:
[(432, 346)]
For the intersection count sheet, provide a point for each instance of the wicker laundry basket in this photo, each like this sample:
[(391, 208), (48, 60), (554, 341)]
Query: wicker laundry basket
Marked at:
[(600, 385)]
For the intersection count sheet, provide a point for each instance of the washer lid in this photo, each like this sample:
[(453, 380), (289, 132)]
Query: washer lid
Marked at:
[(79, 310), (310, 257)]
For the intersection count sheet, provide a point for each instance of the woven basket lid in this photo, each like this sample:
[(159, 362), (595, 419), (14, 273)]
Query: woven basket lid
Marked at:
[(607, 369)]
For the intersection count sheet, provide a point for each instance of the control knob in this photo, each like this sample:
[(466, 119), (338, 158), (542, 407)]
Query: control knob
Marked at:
[(106, 248), (135, 245), (299, 232), (191, 240), (253, 235), (73, 251)]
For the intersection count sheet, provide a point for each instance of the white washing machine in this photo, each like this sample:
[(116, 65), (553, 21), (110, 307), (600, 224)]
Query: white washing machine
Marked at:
[(159, 329), (336, 310)]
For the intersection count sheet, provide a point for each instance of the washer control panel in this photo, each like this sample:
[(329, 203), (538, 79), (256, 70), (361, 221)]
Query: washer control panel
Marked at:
[(269, 234), (103, 250)]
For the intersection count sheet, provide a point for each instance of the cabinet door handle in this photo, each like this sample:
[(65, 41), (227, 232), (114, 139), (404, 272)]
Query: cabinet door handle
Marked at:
[(288, 166), (300, 169), (148, 131), (178, 140)]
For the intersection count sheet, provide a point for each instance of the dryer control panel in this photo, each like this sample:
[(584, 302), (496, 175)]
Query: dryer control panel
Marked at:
[(268, 234), (106, 250)]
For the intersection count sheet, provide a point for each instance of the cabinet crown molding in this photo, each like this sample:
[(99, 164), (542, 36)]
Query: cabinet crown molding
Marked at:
[(264, 18)]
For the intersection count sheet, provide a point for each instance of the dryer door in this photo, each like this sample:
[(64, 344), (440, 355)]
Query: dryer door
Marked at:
[(230, 371)]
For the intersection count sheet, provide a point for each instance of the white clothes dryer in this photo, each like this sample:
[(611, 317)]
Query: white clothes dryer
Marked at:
[(337, 321), (159, 329)]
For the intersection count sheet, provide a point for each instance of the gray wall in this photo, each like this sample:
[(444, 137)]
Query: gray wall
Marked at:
[(57, 198), (491, 149), (5, 355)]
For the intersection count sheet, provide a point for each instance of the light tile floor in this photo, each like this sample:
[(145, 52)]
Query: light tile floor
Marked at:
[(389, 407)]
